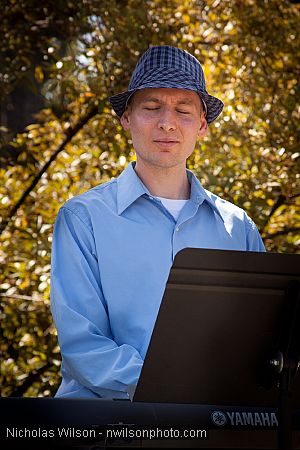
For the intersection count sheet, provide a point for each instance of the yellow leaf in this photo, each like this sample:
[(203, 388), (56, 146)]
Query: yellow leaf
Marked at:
[(39, 74), (186, 18)]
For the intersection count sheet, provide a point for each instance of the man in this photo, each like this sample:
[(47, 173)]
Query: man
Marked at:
[(114, 245)]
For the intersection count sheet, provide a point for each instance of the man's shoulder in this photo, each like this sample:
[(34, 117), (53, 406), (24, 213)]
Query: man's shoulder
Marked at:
[(227, 209), (100, 193), (99, 197)]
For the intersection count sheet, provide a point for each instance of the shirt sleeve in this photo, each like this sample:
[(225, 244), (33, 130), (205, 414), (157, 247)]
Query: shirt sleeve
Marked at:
[(80, 313), (254, 240)]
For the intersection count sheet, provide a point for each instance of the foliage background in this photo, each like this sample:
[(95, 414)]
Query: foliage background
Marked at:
[(59, 137)]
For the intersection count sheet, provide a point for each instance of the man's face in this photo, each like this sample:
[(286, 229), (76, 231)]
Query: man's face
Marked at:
[(164, 125)]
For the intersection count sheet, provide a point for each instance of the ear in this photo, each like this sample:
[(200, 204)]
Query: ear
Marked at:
[(125, 120), (203, 127)]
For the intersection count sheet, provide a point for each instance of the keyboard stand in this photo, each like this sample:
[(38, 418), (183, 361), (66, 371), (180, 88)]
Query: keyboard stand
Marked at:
[(286, 364)]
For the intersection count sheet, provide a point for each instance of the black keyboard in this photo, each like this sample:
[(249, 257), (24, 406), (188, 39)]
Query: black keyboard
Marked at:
[(95, 423)]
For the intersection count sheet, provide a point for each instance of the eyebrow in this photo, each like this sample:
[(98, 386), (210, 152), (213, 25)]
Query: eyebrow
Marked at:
[(183, 101)]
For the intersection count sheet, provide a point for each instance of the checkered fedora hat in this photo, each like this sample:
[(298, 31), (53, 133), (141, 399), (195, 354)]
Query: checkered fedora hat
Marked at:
[(168, 67)]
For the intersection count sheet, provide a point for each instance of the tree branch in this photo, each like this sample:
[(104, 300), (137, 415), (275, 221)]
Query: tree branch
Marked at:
[(281, 232), (71, 132), (32, 377), (281, 200)]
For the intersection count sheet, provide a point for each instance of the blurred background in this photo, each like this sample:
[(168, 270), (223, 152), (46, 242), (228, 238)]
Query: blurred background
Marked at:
[(59, 62)]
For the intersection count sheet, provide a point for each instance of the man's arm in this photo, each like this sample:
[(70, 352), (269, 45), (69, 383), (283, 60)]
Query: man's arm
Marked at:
[(254, 240), (79, 309)]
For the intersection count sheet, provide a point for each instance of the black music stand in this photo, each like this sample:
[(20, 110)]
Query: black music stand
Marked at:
[(228, 333)]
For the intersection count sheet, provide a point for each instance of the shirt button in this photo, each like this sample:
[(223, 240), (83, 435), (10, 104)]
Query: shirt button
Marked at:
[(177, 229), (151, 198)]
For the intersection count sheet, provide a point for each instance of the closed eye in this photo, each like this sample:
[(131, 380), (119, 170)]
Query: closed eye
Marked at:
[(157, 107)]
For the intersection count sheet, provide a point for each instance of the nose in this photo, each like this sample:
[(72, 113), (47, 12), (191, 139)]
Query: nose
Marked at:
[(167, 121)]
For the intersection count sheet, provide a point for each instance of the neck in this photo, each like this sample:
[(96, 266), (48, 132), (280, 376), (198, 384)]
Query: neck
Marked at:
[(171, 182)]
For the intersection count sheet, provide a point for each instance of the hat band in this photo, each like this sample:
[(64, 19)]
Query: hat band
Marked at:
[(165, 74)]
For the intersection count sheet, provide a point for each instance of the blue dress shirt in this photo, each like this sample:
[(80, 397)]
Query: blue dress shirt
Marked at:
[(112, 251)]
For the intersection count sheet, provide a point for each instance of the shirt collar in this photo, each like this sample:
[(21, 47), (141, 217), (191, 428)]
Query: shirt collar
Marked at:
[(199, 194), (130, 188)]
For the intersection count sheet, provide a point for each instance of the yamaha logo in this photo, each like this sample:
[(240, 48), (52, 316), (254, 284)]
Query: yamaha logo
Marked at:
[(219, 418), (244, 419)]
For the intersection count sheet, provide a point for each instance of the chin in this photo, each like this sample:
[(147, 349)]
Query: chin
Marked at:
[(166, 164)]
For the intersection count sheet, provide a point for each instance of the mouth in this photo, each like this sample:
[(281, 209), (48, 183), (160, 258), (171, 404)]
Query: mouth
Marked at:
[(166, 143)]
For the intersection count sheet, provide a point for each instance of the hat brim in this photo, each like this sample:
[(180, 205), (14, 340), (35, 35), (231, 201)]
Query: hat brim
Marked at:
[(214, 105)]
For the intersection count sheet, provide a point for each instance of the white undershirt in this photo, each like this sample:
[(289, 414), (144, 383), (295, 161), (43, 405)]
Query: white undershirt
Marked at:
[(173, 206)]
